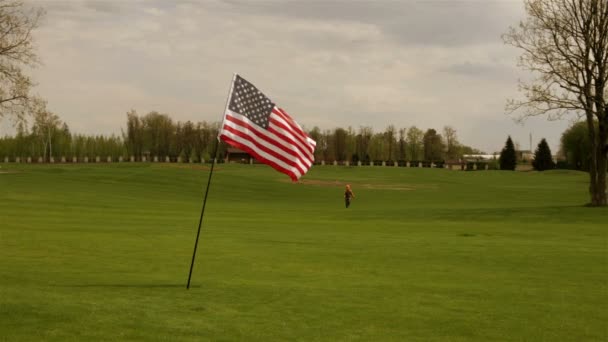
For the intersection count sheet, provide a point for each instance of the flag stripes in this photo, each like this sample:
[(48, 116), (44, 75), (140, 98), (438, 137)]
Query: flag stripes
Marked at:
[(275, 147)]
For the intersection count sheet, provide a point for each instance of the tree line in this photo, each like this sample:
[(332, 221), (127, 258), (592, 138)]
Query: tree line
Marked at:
[(158, 135), (392, 144)]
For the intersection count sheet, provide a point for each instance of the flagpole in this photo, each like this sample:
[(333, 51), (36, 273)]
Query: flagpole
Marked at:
[(200, 221)]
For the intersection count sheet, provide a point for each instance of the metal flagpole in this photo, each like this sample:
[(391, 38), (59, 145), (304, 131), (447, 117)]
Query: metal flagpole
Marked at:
[(200, 221)]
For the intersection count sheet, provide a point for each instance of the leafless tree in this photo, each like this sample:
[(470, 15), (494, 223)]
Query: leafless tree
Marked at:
[(17, 21), (565, 44), (451, 142), (44, 127), (389, 135), (414, 143)]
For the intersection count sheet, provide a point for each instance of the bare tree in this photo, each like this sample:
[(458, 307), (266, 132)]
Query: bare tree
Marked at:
[(433, 145), (402, 145), (414, 143), (363, 140), (389, 135), (350, 144), (17, 22), (340, 136), (44, 127), (565, 44), (451, 142)]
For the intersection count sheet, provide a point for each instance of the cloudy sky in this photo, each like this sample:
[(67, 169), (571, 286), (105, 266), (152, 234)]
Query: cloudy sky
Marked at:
[(427, 63)]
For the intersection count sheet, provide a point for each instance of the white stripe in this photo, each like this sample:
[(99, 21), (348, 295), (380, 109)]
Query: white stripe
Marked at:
[(290, 134), (298, 132), (262, 153), (306, 159), (266, 144), (304, 156)]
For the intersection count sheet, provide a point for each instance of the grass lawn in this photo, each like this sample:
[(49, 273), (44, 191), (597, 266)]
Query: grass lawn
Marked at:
[(102, 252)]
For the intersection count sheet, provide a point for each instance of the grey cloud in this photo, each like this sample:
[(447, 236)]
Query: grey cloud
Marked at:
[(482, 70), (445, 23), (457, 23), (112, 7)]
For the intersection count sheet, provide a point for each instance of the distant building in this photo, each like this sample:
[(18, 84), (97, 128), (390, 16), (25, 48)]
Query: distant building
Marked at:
[(524, 155), (235, 155), (479, 157)]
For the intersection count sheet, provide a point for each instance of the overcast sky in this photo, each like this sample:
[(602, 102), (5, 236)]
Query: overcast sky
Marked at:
[(328, 63)]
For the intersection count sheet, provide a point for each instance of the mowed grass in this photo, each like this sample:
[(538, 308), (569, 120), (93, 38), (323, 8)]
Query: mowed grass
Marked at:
[(102, 252)]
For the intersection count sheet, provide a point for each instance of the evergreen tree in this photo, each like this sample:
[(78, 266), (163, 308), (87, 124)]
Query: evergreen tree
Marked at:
[(542, 157), (508, 159)]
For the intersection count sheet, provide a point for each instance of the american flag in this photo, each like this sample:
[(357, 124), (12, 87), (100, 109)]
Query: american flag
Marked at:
[(253, 123)]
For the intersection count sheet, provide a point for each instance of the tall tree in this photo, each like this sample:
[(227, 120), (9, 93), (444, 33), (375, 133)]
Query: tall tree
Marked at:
[(340, 144), (157, 129), (402, 154), (17, 21), (363, 140), (542, 157), (134, 138), (508, 159), (44, 128), (64, 140), (389, 135), (351, 144), (565, 43), (189, 136), (433, 145), (329, 153), (576, 146), (414, 143), (315, 134), (451, 142), (377, 147)]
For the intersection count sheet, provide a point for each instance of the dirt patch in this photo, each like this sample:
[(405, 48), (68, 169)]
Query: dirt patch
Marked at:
[(188, 166), (355, 185)]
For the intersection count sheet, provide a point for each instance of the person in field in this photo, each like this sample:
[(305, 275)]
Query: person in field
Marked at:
[(348, 194)]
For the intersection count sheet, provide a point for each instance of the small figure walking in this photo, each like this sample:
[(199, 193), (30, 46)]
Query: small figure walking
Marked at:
[(348, 194)]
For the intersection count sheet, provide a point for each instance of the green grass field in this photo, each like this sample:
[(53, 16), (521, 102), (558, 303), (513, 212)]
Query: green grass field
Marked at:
[(102, 252)]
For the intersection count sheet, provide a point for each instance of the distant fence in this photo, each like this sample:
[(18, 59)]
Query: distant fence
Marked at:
[(464, 166)]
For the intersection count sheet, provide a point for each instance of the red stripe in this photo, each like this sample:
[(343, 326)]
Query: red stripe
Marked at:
[(269, 140), (303, 147), (246, 148), (306, 153), (297, 132)]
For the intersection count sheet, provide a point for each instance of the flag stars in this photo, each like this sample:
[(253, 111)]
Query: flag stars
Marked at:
[(248, 101)]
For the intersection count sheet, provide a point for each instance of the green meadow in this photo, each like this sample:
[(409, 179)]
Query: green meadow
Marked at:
[(102, 252)]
